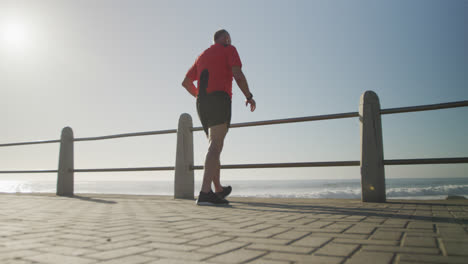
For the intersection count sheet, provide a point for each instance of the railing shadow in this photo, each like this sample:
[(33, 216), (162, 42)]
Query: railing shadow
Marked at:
[(441, 203), (386, 212), (90, 199)]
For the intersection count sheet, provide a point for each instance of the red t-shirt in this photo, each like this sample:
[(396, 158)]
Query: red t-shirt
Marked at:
[(218, 59)]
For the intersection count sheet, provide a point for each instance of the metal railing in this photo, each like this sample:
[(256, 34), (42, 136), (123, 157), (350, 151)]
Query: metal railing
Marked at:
[(372, 175)]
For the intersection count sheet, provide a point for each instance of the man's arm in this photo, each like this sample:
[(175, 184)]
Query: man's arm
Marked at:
[(189, 86), (244, 86)]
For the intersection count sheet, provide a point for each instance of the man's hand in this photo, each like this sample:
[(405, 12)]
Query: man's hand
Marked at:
[(242, 83), (253, 104), (189, 86)]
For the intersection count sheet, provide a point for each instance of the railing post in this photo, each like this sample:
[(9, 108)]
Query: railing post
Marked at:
[(184, 175), (66, 167), (372, 167)]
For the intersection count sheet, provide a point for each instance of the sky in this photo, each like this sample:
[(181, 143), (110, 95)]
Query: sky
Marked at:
[(110, 67)]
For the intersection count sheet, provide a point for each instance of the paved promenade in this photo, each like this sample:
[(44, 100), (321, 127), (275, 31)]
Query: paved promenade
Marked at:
[(109, 229)]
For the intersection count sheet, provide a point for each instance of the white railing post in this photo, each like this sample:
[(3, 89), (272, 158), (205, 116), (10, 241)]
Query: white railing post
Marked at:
[(66, 167), (372, 167), (184, 175)]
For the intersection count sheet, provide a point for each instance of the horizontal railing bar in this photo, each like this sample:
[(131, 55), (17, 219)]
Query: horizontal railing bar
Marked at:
[(29, 171), (125, 169), (269, 165), (286, 165), (339, 163), (290, 120), (30, 143), (423, 107), (169, 131), (426, 161), (138, 134), (262, 123)]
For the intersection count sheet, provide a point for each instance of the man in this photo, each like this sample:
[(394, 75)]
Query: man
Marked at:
[(214, 70)]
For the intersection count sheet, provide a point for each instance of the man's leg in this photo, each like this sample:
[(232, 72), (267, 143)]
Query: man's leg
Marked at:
[(216, 176), (216, 135)]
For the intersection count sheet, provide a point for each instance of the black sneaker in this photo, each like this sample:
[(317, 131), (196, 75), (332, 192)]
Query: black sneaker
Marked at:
[(211, 199), (226, 191)]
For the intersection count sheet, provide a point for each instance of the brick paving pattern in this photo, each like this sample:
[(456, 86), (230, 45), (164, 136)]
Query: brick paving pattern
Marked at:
[(111, 229)]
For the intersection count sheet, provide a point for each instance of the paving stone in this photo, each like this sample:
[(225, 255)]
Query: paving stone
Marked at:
[(122, 238), (418, 225), (373, 220), (234, 233), (78, 237), (200, 235), (269, 261), (116, 253), (356, 217), (279, 248), (17, 254), (170, 240), (387, 235), (291, 235), (80, 230), (335, 249), (34, 235), (175, 261), (210, 240), (327, 230), (365, 257), (50, 258), (262, 226), (274, 230), (311, 241), (395, 223), (417, 241), (457, 231), (222, 247), (156, 245), (456, 248), (16, 261), (396, 249), (171, 254), (303, 258), (361, 229), (17, 245), (339, 226), (414, 258), (340, 235), (70, 251), (119, 244), (366, 241), (238, 256), (273, 241), (135, 259), (409, 231), (318, 224), (74, 243)]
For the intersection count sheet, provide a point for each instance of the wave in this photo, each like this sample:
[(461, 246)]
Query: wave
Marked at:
[(428, 191), (433, 192)]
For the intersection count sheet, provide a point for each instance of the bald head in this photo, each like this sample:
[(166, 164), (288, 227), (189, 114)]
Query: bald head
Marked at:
[(222, 37)]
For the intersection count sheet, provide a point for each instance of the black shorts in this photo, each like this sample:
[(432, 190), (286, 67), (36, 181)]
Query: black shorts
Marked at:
[(214, 109)]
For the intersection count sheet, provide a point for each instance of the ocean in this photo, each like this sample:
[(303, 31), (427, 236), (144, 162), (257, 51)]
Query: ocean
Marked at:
[(427, 189)]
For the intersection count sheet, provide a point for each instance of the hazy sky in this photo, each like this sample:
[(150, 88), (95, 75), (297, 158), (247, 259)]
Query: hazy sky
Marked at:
[(110, 67)]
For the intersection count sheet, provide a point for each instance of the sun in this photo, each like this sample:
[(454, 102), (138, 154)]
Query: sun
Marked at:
[(14, 36)]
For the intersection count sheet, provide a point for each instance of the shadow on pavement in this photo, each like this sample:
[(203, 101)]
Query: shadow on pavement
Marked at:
[(90, 199), (385, 212)]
